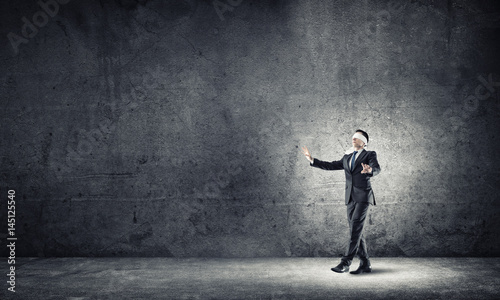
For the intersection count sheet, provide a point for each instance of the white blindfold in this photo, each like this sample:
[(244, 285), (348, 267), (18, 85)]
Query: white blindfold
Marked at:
[(361, 137)]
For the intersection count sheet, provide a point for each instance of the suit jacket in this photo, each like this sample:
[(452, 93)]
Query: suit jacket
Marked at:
[(357, 185)]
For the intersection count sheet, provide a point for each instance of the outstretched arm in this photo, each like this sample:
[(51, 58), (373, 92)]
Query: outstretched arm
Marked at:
[(307, 154), (334, 165)]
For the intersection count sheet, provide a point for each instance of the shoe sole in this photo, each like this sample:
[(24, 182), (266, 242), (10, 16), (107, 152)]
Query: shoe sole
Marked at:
[(339, 271)]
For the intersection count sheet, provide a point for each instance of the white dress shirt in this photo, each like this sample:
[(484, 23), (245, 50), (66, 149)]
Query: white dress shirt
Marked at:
[(356, 158)]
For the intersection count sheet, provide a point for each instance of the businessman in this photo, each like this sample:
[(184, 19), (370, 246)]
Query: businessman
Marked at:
[(359, 166)]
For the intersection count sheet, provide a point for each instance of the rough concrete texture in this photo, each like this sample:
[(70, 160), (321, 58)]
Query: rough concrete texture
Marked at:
[(253, 278), (169, 128)]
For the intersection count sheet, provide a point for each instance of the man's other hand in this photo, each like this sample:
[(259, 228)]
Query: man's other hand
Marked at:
[(366, 169)]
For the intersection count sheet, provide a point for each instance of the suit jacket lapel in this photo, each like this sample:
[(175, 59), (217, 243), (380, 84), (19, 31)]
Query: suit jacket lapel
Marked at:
[(360, 158)]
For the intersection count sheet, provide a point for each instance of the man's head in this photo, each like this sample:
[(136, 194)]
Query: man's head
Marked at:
[(360, 139)]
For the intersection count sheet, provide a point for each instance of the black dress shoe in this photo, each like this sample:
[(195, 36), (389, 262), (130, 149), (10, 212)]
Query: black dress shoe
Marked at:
[(341, 268), (364, 267)]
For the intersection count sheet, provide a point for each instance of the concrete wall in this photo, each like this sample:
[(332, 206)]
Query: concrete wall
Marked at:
[(173, 128)]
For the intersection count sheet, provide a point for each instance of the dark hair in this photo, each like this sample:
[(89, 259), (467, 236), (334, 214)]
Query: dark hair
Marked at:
[(364, 133)]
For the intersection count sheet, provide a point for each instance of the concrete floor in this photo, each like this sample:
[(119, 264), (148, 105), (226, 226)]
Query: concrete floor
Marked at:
[(252, 278)]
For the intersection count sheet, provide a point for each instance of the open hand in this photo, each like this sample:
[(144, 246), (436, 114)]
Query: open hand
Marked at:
[(307, 154), (366, 169)]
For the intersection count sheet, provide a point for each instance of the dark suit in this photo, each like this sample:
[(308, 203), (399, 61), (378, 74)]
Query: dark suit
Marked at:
[(358, 197)]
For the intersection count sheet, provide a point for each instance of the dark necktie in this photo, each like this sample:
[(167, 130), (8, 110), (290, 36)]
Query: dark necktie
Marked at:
[(353, 160)]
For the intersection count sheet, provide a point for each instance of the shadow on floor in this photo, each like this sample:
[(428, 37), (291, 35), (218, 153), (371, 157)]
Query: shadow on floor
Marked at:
[(376, 271)]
